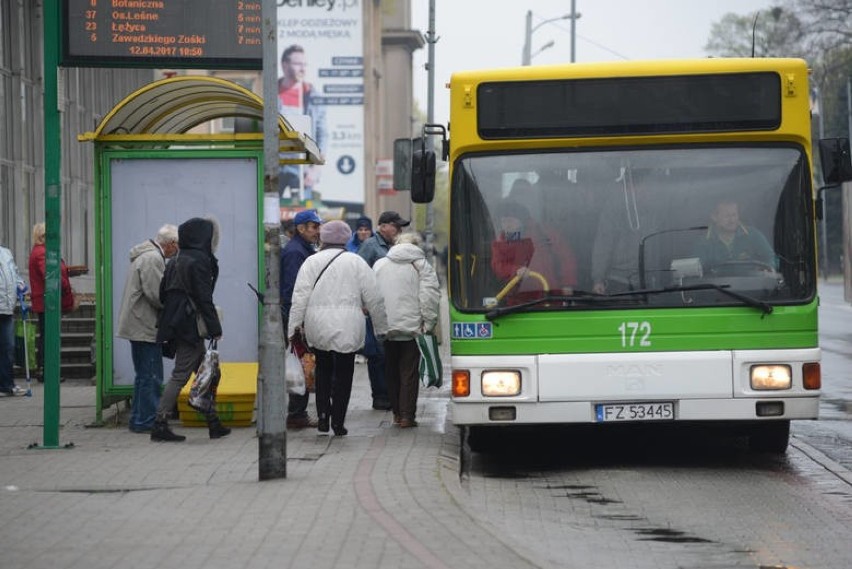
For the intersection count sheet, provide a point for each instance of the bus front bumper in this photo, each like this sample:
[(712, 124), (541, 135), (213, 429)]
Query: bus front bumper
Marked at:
[(567, 412), (651, 386)]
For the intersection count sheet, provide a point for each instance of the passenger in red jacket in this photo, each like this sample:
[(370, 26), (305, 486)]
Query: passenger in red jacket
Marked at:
[(524, 245), (37, 280)]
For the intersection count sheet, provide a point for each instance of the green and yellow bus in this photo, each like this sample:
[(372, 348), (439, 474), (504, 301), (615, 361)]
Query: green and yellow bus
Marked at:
[(631, 242)]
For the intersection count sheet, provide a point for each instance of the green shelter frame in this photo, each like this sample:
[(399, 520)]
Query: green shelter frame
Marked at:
[(155, 122)]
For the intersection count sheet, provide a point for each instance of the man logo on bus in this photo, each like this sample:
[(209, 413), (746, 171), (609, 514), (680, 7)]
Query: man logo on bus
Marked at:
[(634, 370)]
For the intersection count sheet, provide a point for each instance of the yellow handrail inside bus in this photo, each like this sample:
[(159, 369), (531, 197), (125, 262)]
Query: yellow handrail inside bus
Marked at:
[(516, 279)]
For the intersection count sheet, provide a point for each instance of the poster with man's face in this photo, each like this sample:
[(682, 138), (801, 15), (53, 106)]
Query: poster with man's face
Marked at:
[(321, 92)]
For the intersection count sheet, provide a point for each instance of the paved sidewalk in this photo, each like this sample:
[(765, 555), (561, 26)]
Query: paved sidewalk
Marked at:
[(376, 498)]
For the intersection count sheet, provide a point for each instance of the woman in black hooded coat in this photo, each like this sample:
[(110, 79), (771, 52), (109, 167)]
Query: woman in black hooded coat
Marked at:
[(186, 289)]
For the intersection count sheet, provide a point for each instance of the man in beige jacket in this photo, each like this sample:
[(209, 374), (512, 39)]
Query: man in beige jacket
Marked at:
[(137, 322)]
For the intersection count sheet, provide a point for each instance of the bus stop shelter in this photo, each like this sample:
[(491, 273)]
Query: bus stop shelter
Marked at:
[(151, 169)]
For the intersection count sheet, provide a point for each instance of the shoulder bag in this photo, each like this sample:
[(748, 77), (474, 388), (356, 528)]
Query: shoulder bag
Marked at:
[(302, 353), (200, 324), (319, 276)]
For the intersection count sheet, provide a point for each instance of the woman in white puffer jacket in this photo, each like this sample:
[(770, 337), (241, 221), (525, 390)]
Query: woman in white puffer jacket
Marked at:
[(332, 290), (411, 293)]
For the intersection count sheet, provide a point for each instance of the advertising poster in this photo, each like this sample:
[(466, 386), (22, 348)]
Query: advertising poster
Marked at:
[(321, 91)]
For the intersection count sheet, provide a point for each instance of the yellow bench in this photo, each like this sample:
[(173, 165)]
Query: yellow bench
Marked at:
[(234, 398)]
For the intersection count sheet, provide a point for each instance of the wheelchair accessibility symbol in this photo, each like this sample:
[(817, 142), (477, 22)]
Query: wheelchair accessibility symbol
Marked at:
[(472, 330)]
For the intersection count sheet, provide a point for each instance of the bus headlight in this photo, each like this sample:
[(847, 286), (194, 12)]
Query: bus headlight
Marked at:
[(765, 377), (502, 383)]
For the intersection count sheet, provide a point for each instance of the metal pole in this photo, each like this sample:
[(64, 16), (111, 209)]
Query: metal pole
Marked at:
[(849, 107), (845, 194), (430, 95), (53, 224), (824, 222), (272, 395), (573, 31), (843, 190), (526, 57), (430, 118)]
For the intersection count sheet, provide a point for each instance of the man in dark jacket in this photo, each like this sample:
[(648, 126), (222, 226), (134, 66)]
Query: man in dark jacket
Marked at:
[(186, 290), (377, 246), (300, 247), (372, 249)]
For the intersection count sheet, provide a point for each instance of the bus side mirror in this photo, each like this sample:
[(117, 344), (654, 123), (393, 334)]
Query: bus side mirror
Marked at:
[(835, 160), (423, 176), (414, 164)]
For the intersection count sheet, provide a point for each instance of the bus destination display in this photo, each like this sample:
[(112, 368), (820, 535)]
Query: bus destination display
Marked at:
[(205, 34)]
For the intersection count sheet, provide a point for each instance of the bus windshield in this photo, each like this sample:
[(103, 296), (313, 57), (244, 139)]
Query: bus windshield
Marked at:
[(590, 228)]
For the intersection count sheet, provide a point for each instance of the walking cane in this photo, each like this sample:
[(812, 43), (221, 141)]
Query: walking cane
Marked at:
[(24, 312)]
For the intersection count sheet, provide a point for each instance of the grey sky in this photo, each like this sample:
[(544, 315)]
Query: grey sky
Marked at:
[(476, 34)]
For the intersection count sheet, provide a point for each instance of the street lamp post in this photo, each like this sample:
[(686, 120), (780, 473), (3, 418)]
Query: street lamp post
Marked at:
[(574, 16), (271, 390), (526, 57)]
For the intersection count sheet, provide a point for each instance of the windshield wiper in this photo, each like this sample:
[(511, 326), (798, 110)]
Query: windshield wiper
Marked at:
[(578, 296), (591, 297), (764, 307)]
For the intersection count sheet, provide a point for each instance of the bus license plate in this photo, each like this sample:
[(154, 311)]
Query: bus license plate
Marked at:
[(649, 411)]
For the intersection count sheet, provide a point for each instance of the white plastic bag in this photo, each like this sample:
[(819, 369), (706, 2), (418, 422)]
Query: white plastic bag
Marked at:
[(293, 373), (202, 394)]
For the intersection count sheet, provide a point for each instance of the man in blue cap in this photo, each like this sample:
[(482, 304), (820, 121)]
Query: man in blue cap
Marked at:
[(300, 247)]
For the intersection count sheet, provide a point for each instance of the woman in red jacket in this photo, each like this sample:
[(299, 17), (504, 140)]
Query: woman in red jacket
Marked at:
[(37, 280), (522, 246)]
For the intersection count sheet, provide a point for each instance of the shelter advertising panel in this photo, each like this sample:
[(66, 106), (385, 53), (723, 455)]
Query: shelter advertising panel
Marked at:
[(148, 191), (321, 89)]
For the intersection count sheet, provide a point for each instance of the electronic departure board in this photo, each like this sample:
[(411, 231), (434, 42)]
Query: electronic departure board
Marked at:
[(200, 34)]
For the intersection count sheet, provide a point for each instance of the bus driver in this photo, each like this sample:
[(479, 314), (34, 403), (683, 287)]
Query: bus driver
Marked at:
[(728, 240)]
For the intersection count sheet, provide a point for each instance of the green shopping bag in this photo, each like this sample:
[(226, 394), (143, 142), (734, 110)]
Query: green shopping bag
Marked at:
[(431, 372), (20, 360)]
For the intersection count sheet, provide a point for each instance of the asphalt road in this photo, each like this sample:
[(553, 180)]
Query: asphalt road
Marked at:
[(832, 433), (656, 497)]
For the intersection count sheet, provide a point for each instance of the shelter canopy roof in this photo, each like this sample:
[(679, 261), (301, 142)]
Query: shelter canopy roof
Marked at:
[(168, 109)]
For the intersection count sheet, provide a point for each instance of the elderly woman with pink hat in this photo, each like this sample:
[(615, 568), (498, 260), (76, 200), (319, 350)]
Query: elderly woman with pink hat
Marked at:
[(332, 289)]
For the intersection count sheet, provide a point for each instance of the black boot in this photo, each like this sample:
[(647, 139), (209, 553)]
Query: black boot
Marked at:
[(161, 432), (216, 429), (322, 425)]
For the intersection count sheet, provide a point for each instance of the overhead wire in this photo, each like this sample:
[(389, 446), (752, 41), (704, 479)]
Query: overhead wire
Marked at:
[(594, 43)]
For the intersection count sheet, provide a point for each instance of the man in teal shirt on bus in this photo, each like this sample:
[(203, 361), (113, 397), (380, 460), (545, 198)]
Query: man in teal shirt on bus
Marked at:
[(728, 240)]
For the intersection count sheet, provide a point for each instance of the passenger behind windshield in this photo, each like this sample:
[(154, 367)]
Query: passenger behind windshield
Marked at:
[(628, 215), (526, 249), (729, 243)]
